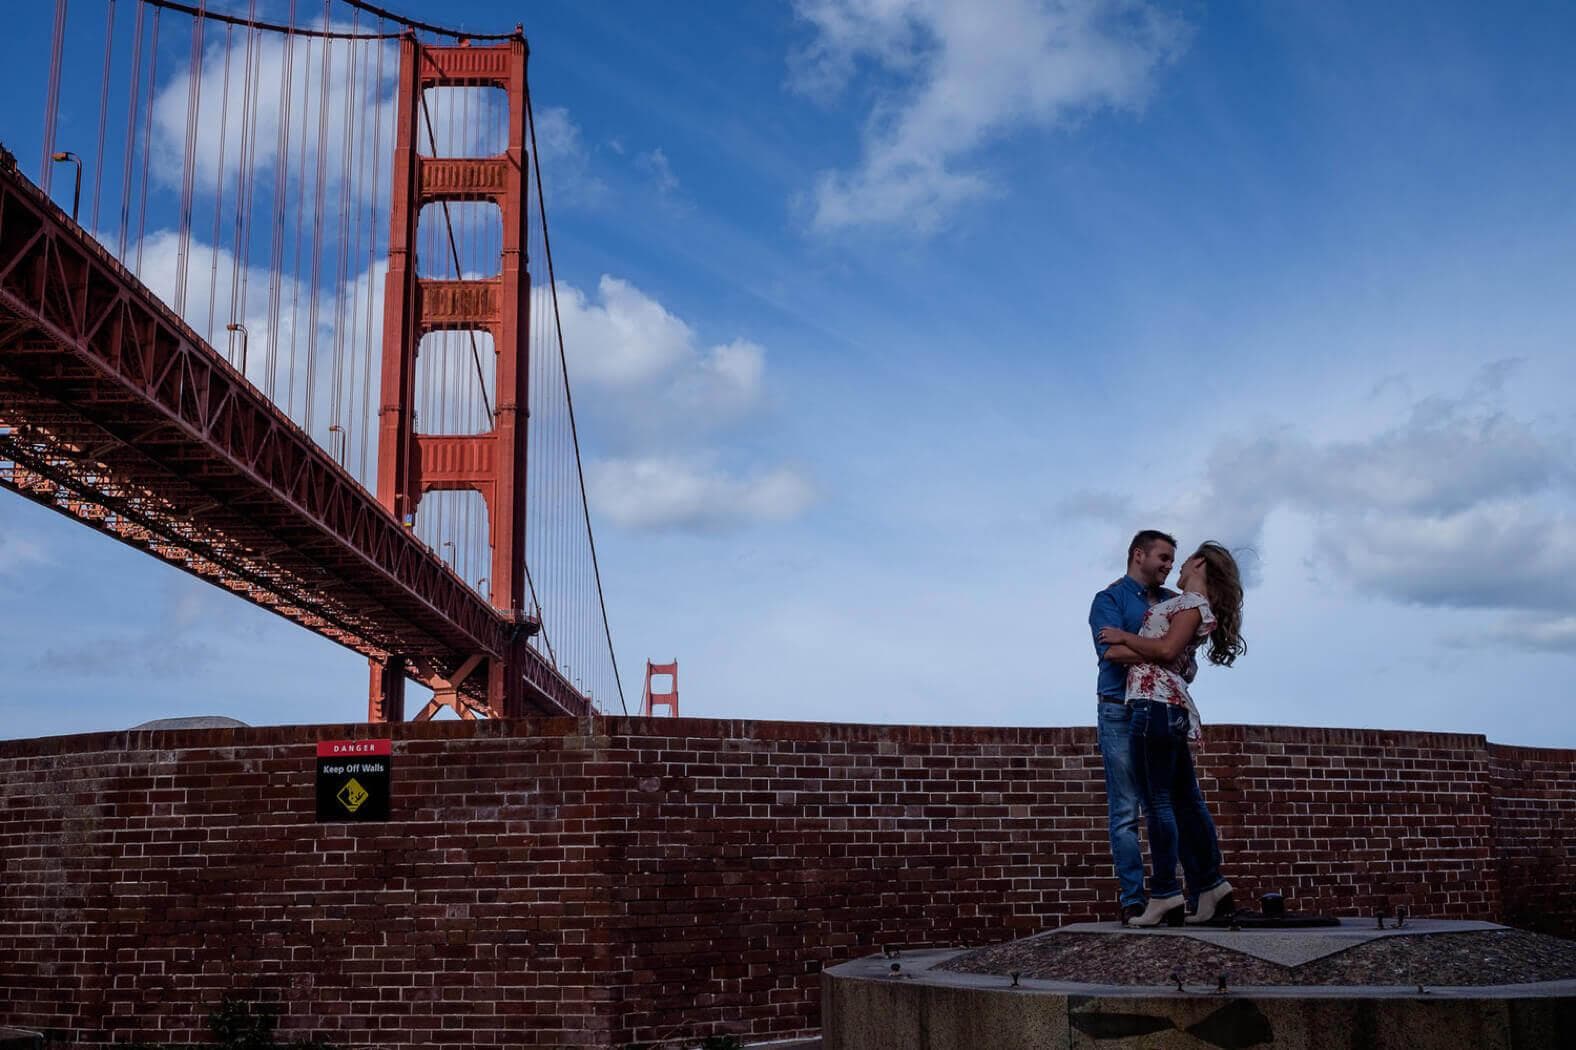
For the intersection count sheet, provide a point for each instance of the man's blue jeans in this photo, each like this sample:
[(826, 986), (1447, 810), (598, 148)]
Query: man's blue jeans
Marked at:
[(1123, 797), (1180, 827)]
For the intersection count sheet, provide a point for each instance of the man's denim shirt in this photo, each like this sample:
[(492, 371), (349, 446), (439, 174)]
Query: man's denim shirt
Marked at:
[(1123, 605)]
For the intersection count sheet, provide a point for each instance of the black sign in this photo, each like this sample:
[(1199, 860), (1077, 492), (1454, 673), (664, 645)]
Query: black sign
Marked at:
[(353, 779)]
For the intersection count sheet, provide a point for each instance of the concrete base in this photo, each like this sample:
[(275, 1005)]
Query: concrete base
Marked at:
[(867, 1006)]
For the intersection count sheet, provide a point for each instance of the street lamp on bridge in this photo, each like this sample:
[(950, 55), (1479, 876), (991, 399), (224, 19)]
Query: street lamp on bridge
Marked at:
[(76, 193), (236, 326)]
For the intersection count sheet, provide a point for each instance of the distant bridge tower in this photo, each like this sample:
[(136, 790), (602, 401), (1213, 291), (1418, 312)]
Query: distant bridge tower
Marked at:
[(668, 699), (492, 463)]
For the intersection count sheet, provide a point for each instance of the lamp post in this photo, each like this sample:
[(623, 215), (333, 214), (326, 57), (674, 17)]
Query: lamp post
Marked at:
[(342, 441), (236, 326), (76, 193)]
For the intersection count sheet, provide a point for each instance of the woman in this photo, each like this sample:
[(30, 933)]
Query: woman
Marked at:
[(1164, 718)]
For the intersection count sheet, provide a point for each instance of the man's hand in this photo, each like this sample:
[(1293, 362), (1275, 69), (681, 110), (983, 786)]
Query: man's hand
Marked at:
[(1115, 636)]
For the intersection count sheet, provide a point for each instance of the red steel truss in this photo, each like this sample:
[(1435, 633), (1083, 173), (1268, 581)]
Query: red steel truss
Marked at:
[(491, 463), (116, 413)]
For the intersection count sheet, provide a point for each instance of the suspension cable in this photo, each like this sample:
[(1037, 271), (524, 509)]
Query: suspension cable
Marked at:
[(256, 23), (552, 283), (428, 26)]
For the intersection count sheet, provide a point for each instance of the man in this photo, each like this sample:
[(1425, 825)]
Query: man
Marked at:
[(1123, 604)]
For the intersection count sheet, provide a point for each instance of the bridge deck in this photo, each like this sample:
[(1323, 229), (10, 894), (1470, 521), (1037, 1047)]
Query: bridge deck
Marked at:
[(115, 412)]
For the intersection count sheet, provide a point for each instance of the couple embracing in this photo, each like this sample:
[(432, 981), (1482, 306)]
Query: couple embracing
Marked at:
[(1147, 638)]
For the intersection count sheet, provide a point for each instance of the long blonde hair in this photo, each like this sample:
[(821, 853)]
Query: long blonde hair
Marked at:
[(1223, 584)]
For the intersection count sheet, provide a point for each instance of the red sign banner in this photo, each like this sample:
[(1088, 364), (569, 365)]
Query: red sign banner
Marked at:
[(353, 748)]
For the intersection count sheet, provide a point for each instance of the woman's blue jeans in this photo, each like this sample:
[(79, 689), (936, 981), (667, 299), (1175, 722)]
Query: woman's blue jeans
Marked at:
[(1180, 828)]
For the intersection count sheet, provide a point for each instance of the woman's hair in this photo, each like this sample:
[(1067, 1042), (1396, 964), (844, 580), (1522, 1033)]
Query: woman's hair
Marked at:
[(1223, 582)]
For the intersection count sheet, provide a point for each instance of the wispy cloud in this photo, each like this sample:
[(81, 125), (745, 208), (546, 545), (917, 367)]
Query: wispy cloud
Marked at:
[(661, 399), (952, 77), (567, 175), (692, 493), (1460, 504), (293, 84), (633, 349), (655, 163), (18, 553)]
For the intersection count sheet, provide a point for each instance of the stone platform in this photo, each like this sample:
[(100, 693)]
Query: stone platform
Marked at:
[(1428, 985)]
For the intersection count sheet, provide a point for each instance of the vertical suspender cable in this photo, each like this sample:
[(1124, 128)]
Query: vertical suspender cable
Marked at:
[(552, 282), (317, 225), (372, 242), (98, 163), (300, 214), (241, 256), (218, 190), (189, 162), (52, 99), (147, 139), (276, 258), (132, 102)]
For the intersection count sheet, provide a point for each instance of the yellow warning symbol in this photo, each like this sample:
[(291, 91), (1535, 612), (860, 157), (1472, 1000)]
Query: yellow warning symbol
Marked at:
[(352, 795)]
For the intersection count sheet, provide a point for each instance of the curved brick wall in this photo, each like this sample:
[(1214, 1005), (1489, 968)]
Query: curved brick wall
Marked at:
[(591, 883)]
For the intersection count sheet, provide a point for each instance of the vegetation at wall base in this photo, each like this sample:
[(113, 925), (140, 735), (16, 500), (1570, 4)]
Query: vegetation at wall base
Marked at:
[(240, 1025)]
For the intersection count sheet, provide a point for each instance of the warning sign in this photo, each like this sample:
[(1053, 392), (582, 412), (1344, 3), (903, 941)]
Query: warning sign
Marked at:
[(353, 779)]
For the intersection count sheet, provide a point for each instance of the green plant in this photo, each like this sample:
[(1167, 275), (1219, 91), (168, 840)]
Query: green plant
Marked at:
[(239, 1025)]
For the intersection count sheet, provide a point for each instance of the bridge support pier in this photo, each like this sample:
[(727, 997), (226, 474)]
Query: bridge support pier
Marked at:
[(386, 692)]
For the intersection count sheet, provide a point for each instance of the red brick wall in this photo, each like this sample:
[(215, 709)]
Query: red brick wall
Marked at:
[(562, 883), (1534, 806)]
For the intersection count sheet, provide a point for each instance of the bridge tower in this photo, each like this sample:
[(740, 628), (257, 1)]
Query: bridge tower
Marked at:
[(491, 463), (670, 698)]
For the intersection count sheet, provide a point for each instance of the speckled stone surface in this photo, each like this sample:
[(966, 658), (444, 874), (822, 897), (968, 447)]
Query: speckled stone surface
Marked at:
[(927, 1003), (1289, 947), (1427, 953)]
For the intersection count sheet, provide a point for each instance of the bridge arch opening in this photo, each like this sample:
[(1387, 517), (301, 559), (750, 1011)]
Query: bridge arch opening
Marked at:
[(463, 121), (453, 522), (456, 382), (459, 241)]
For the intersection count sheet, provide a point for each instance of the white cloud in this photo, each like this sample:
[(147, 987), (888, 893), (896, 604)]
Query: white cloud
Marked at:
[(1458, 505), (655, 163), (1504, 554), (1528, 634), (972, 73), (566, 162), (657, 398), (673, 492), (636, 350), (285, 73), (334, 365), (625, 339)]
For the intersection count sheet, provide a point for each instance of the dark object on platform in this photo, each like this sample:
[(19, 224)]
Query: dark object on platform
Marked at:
[(16, 1039), (1272, 905), (1256, 920), (1131, 911)]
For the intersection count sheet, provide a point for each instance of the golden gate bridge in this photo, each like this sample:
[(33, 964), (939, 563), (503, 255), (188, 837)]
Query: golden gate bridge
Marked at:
[(267, 313)]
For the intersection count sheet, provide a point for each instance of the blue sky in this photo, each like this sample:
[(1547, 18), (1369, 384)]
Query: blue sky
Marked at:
[(890, 322)]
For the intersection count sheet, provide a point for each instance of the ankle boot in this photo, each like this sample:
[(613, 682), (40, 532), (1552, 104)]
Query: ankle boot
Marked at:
[(1168, 910), (1211, 903)]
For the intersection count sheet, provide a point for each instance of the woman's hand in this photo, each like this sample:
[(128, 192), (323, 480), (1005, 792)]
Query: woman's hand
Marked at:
[(1114, 636)]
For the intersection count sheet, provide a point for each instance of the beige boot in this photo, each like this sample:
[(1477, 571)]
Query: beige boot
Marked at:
[(1168, 910), (1211, 903)]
